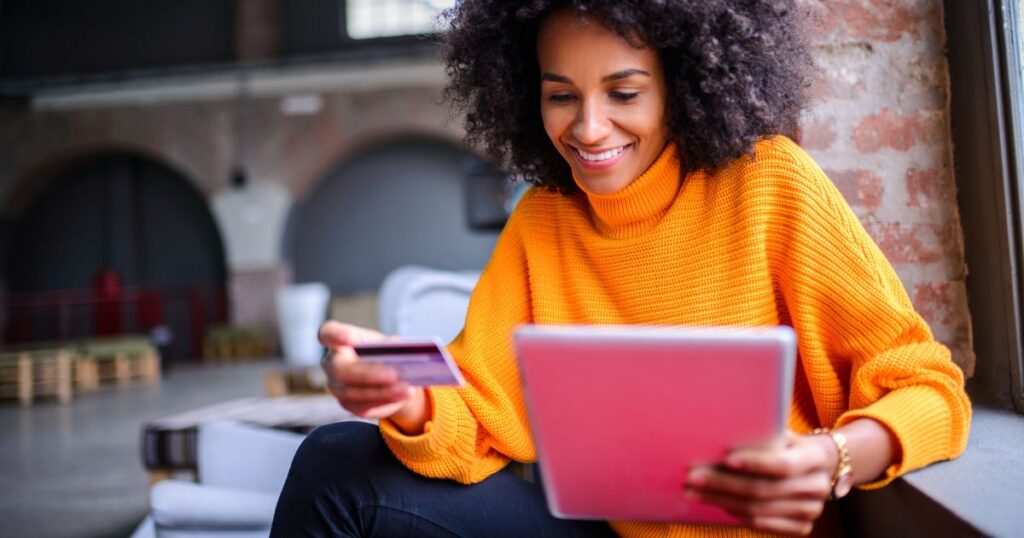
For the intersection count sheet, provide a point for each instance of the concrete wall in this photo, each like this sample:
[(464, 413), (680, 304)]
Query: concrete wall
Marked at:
[(879, 126), (396, 204)]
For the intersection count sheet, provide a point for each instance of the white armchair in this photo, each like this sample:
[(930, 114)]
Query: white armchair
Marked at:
[(243, 468), (419, 301), (241, 471)]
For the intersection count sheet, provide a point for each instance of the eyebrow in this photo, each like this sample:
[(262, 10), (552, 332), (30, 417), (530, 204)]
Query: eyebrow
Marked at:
[(618, 75)]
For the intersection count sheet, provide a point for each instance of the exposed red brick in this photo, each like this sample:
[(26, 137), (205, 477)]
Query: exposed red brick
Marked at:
[(817, 135), (934, 302), (876, 20), (888, 129), (860, 188), (915, 243), (928, 187)]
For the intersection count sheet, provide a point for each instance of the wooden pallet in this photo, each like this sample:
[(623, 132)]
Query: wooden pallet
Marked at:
[(236, 343), (119, 361), (59, 369), (86, 374), (42, 373), (295, 381)]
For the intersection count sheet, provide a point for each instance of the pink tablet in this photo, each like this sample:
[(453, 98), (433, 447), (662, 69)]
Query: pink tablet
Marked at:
[(620, 414)]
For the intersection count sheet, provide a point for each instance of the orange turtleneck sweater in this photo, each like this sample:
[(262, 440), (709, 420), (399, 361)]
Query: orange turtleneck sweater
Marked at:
[(766, 240)]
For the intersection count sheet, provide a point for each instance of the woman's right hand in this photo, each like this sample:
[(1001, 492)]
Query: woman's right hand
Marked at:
[(368, 390)]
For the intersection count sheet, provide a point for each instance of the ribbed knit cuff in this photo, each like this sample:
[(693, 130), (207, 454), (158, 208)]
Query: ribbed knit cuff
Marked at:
[(439, 432), (919, 418)]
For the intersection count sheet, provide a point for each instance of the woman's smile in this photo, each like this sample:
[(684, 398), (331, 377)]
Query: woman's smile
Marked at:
[(600, 159)]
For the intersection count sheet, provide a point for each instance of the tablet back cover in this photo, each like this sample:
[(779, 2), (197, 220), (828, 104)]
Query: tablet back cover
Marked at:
[(619, 415)]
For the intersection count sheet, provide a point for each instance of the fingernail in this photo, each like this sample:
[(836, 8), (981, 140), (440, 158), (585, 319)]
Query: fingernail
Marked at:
[(697, 477)]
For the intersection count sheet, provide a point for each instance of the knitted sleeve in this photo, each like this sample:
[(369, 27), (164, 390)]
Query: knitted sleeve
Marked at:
[(865, 351), (473, 431)]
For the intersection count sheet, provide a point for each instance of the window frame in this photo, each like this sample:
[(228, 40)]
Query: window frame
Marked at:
[(386, 38), (985, 108)]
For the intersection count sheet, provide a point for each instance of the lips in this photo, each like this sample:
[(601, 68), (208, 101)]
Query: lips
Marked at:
[(605, 158)]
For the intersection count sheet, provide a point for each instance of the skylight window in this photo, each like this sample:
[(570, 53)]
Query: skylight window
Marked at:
[(367, 19)]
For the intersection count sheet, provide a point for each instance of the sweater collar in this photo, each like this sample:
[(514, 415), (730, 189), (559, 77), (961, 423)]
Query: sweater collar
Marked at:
[(643, 200)]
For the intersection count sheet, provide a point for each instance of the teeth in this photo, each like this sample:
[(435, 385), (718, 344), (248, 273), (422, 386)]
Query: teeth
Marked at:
[(604, 155)]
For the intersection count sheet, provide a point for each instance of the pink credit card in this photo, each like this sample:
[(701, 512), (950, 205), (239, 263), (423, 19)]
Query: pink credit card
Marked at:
[(421, 362)]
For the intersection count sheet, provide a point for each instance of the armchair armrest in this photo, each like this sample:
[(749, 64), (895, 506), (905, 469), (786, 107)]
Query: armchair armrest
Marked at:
[(185, 505), (235, 455)]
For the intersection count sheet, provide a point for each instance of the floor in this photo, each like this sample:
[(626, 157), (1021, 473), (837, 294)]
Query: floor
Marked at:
[(76, 469)]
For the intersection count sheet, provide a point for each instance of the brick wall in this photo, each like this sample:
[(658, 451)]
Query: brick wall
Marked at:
[(879, 126)]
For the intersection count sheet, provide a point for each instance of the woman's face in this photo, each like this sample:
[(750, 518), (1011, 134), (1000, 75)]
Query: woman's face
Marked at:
[(602, 101)]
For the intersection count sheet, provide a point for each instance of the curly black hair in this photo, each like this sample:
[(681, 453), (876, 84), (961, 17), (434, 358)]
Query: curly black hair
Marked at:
[(736, 71)]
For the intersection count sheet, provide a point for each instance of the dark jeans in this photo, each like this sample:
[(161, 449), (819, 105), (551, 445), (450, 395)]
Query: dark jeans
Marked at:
[(344, 481)]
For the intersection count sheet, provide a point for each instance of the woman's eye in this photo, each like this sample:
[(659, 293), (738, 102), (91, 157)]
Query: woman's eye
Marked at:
[(624, 96), (560, 98)]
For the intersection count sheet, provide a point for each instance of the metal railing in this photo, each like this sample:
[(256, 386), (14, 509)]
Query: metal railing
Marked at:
[(177, 316)]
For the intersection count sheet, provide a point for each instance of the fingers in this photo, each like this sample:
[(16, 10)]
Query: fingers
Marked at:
[(779, 487), (363, 374), (365, 389), (792, 516), (781, 525), (798, 456), (334, 334), (369, 408), (340, 362), (806, 509), (816, 485), (361, 387), (361, 395), (789, 506), (343, 369)]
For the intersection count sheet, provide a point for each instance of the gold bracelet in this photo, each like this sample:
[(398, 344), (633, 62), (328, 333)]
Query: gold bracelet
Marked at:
[(842, 476)]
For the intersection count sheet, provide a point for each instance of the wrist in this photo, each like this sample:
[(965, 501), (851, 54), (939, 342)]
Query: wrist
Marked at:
[(829, 451), (411, 417), (841, 469)]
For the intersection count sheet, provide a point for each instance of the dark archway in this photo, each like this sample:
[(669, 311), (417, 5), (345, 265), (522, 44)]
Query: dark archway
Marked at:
[(123, 215), (397, 203)]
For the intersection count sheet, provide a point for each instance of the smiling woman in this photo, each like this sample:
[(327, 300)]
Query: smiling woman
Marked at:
[(674, 197)]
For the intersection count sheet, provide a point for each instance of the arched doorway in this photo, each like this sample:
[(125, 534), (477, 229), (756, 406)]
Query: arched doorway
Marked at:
[(112, 244), (398, 203)]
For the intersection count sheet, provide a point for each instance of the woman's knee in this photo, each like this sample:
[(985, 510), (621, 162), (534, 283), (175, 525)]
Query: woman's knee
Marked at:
[(341, 446)]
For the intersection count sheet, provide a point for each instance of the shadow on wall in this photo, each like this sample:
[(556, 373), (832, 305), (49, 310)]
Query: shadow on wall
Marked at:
[(399, 203)]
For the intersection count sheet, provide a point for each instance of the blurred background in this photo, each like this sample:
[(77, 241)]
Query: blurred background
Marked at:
[(179, 161), (189, 187), (168, 171)]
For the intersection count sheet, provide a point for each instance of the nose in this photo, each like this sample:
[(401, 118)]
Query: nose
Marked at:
[(592, 124)]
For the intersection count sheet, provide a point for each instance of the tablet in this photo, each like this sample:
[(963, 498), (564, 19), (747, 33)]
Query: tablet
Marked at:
[(620, 414)]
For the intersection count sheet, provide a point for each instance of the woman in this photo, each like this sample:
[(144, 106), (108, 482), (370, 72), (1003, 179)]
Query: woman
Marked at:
[(672, 197)]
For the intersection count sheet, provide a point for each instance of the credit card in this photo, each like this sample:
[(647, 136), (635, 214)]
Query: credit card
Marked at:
[(421, 362)]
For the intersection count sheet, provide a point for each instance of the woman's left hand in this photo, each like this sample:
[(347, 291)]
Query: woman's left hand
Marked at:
[(778, 488)]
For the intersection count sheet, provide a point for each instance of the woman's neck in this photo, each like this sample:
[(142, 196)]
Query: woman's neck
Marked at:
[(643, 201)]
